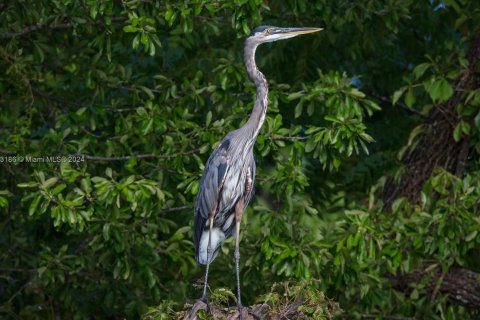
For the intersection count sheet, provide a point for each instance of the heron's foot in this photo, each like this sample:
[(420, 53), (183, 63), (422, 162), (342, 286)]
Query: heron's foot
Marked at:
[(200, 304), (242, 312), (207, 303)]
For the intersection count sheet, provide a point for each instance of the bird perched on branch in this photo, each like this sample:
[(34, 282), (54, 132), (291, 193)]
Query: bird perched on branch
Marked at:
[(227, 183)]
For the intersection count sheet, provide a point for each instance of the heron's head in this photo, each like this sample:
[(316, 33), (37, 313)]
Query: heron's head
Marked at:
[(264, 34)]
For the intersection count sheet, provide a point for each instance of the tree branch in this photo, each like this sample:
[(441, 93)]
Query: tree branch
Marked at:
[(286, 138), (292, 310), (173, 209), (138, 156), (39, 26), (461, 285), (401, 105), (436, 146), (378, 316), (32, 28), (2, 151)]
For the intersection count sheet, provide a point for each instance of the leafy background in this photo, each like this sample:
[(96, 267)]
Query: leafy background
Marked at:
[(136, 94)]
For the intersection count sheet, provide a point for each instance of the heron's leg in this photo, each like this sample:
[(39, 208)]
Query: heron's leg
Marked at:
[(238, 220), (237, 262), (239, 207), (209, 258)]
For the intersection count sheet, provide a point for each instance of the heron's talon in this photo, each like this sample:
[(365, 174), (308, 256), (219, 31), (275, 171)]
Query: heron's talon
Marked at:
[(207, 303), (241, 310), (209, 308)]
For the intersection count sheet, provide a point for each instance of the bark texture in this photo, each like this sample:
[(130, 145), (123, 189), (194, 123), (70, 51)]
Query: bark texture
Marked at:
[(436, 146), (461, 285), (261, 311)]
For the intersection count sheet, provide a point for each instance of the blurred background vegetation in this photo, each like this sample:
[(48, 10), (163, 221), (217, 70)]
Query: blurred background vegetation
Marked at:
[(368, 176)]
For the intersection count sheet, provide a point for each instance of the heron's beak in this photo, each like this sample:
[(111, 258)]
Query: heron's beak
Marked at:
[(286, 33), (292, 32)]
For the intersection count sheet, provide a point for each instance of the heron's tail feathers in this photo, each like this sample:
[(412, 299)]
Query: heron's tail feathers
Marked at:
[(217, 237)]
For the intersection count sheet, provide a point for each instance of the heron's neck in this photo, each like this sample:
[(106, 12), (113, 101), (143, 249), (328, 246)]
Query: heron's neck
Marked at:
[(257, 117)]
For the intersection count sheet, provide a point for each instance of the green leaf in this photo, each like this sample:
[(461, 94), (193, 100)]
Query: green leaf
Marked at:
[(295, 95), (208, 119), (332, 119), (397, 95), (440, 90), (477, 120), (364, 147), (472, 235), (34, 205), (310, 109), (130, 28), (106, 231), (457, 132), (420, 69), (310, 146), (80, 111), (30, 184), (414, 295), (136, 41), (357, 93), (169, 14), (410, 98), (59, 188), (298, 109), (50, 182), (93, 11), (148, 127), (148, 91), (142, 112), (144, 40), (366, 137)]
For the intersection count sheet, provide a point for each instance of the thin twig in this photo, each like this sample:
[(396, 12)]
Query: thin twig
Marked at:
[(50, 98), (138, 156), (437, 286), (33, 28), (392, 317), (39, 26), (401, 105), (173, 209), (286, 138), (2, 151)]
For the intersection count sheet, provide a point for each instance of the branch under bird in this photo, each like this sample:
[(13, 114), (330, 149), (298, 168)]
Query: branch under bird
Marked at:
[(227, 183)]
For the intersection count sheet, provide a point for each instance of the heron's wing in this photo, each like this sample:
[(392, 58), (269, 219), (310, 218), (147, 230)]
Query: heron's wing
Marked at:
[(212, 181), (211, 185)]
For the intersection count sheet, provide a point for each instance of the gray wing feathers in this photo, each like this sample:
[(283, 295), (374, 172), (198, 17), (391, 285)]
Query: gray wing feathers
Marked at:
[(211, 183), (208, 194)]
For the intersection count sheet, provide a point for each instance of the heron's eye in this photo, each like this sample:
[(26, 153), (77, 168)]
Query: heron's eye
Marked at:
[(269, 30)]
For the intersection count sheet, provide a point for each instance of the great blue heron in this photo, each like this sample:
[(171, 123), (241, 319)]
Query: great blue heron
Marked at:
[(227, 182)]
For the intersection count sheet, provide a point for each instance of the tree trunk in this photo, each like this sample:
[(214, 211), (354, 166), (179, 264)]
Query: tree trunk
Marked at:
[(436, 146), (461, 285)]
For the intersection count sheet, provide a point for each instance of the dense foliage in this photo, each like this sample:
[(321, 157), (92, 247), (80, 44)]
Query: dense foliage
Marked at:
[(134, 95)]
